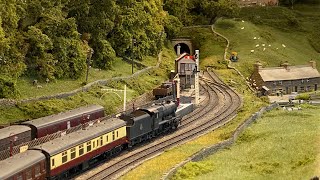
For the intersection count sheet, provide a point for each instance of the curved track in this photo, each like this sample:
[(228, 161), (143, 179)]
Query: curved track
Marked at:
[(219, 106)]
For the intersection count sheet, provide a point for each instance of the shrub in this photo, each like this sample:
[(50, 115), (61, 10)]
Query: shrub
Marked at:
[(8, 88)]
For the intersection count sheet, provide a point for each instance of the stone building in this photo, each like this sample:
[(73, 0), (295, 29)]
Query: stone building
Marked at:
[(285, 79), (244, 3), (185, 66)]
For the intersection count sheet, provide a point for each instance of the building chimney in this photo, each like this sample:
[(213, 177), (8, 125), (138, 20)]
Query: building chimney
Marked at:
[(313, 64), (285, 65), (178, 50), (257, 66)]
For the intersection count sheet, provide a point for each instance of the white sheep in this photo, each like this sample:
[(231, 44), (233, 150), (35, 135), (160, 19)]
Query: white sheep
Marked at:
[(252, 51), (283, 45), (255, 38), (264, 49), (242, 28), (257, 45), (269, 45), (263, 44)]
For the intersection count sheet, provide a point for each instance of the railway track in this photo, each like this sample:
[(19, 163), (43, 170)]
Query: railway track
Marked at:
[(217, 109)]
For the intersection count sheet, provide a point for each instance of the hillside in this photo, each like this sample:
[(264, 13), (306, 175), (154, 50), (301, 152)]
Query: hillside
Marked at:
[(298, 51)]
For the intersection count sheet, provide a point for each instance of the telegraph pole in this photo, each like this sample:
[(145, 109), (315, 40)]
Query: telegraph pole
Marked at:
[(196, 81)]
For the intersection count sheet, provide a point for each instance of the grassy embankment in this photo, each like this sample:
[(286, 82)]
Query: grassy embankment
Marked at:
[(297, 51), (211, 52), (111, 101), (281, 145)]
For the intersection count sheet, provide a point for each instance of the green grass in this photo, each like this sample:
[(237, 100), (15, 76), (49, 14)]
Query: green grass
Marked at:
[(119, 68), (272, 29), (280, 145), (96, 95), (211, 52)]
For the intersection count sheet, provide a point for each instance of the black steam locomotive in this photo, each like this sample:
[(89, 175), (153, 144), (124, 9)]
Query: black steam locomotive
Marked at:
[(60, 157)]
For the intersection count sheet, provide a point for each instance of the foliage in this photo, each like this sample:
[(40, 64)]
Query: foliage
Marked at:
[(213, 9), (7, 88)]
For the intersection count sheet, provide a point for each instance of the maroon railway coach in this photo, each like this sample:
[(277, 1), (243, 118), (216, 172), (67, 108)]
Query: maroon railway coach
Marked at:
[(58, 122), (30, 164), (14, 135)]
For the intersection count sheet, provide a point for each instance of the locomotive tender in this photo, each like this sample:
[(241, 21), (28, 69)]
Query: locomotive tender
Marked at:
[(76, 151), (43, 126)]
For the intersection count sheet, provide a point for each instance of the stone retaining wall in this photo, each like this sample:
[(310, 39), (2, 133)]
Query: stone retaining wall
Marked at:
[(226, 143)]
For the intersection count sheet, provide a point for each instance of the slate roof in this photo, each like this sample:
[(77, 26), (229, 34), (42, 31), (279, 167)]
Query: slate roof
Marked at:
[(185, 56), (291, 73)]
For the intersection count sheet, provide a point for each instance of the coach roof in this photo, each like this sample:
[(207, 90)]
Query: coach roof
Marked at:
[(19, 162), (13, 130), (70, 140), (56, 118)]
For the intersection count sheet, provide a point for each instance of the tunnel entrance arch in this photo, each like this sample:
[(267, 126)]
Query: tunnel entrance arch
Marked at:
[(185, 45)]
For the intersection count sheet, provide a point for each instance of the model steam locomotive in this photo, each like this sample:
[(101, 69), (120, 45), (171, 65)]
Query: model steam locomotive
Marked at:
[(59, 158)]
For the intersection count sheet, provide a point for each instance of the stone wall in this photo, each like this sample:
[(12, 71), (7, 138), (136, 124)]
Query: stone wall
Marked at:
[(226, 143), (103, 82)]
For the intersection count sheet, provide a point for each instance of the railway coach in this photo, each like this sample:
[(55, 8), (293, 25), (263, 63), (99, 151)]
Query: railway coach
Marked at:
[(58, 122), (17, 134), (30, 164), (76, 151)]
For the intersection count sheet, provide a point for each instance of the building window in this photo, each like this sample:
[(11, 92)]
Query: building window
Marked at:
[(302, 80), (308, 80), (280, 82), (301, 88), (52, 162), (80, 150), (73, 153), (64, 157), (182, 67), (88, 146), (29, 174), (274, 83)]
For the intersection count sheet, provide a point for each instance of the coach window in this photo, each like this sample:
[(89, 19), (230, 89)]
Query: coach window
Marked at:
[(29, 174), (80, 150), (98, 143), (37, 170), (88, 146), (73, 153), (64, 157), (52, 162), (101, 141), (107, 138), (19, 177), (94, 144), (112, 135), (117, 134)]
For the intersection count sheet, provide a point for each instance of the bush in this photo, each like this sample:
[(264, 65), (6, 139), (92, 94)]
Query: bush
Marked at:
[(8, 88), (303, 96)]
